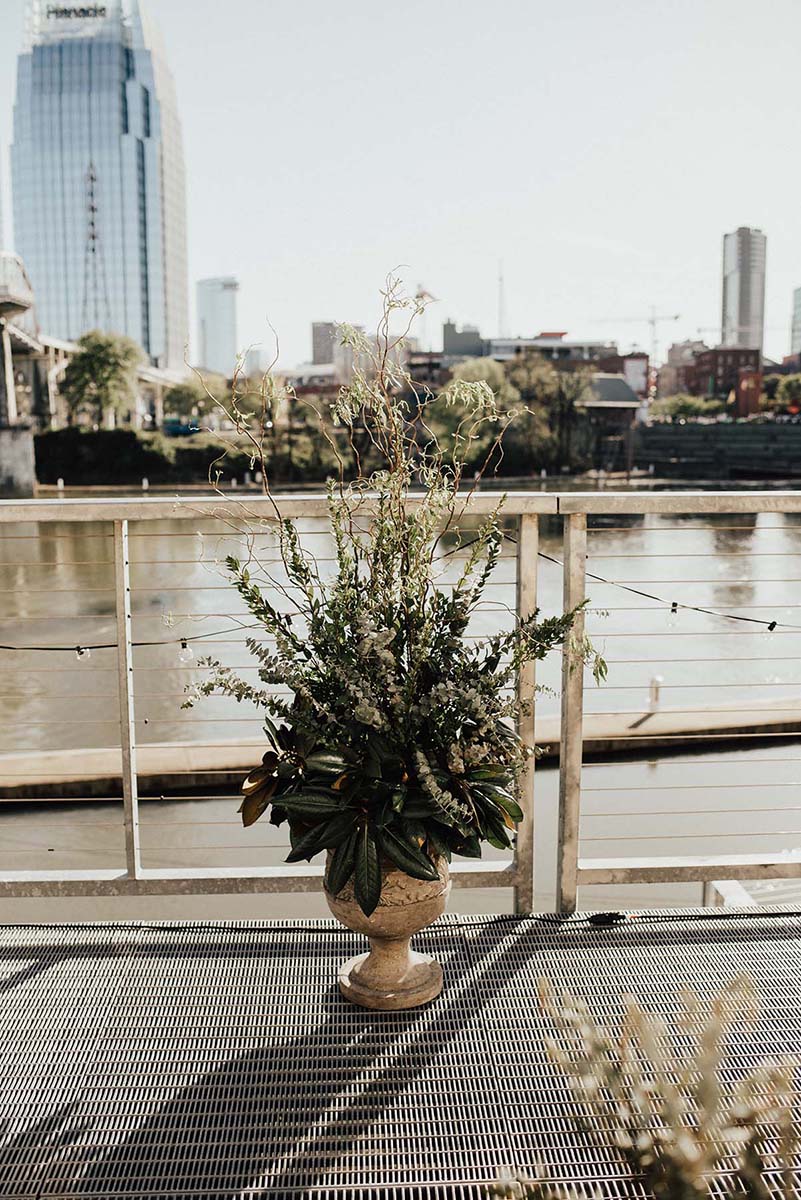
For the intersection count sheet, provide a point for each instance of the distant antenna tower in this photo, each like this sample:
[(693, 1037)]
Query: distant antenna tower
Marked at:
[(94, 267), (501, 302)]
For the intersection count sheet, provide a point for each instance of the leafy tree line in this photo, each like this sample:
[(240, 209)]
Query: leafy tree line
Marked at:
[(551, 430)]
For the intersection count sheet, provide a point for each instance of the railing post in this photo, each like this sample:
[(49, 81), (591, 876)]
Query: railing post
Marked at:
[(527, 547), (125, 688), (571, 736)]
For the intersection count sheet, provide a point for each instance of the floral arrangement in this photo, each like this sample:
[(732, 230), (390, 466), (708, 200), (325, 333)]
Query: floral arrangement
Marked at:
[(396, 745), (685, 1125)]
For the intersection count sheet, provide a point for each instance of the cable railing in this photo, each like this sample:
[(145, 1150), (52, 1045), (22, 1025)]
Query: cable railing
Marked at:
[(682, 769)]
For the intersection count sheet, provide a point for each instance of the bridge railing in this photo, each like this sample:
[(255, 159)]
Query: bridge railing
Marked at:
[(682, 590)]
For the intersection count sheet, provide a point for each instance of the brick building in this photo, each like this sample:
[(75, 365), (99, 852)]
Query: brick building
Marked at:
[(717, 372)]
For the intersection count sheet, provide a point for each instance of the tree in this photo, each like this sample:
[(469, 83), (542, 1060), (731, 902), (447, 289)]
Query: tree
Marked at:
[(770, 385), (554, 399), (101, 377), (682, 407), (450, 421), (788, 392), (185, 400)]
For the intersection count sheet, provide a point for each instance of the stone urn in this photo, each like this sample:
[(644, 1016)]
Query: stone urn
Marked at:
[(392, 975)]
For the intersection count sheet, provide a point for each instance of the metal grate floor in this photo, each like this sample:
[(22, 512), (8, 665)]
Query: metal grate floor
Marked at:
[(218, 1060)]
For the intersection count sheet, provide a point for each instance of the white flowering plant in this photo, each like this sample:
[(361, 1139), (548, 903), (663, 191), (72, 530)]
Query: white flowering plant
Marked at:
[(396, 745), (687, 1122)]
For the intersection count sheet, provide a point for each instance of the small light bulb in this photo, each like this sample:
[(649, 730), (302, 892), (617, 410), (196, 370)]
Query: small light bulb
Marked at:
[(673, 615), (82, 653), (772, 626), (186, 653)]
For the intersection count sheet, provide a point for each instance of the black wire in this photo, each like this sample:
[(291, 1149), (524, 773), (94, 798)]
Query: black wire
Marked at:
[(194, 637), (673, 605), (621, 919)]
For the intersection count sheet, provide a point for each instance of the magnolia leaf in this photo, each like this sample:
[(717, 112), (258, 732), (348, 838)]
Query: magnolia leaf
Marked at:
[(324, 836), (340, 868), (504, 801), (407, 856), (313, 804), (324, 764), (257, 778), (367, 883), (256, 802)]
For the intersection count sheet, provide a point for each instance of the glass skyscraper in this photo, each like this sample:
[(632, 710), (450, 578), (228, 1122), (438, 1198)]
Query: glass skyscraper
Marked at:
[(743, 319), (98, 177), (216, 324)]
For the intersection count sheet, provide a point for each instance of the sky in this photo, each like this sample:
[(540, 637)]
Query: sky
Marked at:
[(598, 151)]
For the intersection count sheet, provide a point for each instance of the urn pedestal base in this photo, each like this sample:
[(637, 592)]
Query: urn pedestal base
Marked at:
[(390, 976)]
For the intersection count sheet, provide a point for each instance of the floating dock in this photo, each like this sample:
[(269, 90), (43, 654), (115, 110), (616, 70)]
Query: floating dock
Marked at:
[(165, 766)]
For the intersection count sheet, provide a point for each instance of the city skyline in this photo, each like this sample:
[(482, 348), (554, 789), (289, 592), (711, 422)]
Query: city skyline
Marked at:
[(633, 175)]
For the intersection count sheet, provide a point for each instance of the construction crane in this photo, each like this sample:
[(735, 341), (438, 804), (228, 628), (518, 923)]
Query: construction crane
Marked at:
[(653, 320)]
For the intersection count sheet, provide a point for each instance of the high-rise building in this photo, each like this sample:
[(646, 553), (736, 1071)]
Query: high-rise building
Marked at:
[(216, 324), (743, 318), (323, 339), (98, 177), (795, 331)]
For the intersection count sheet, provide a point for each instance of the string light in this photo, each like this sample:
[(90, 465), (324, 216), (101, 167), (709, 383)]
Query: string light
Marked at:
[(673, 615), (82, 653), (770, 625), (186, 653)]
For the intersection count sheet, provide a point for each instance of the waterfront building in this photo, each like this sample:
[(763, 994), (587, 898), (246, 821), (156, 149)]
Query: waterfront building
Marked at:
[(216, 324), (795, 331), (720, 372), (679, 355), (323, 339), (743, 302), (98, 177), (552, 345)]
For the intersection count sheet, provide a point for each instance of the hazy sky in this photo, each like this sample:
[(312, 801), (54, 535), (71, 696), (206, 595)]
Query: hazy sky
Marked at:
[(599, 149)]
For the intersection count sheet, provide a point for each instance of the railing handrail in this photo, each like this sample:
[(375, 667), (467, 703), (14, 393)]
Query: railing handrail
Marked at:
[(480, 503), (641, 503), (159, 508)]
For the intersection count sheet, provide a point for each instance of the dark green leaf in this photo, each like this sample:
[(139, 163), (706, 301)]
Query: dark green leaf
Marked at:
[(341, 865), (322, 763), (438, 844), (324, 836), (407, 855), (313, 804), (367, 885), (503, 799), (470, 847)]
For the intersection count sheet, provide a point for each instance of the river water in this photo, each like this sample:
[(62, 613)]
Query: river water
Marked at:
[(56, 585)]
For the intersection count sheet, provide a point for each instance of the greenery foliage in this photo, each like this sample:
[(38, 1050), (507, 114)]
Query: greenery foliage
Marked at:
[(101, 377), (666, 1098), (682, 407), (788, 392), (396, 745), (125, 456)]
